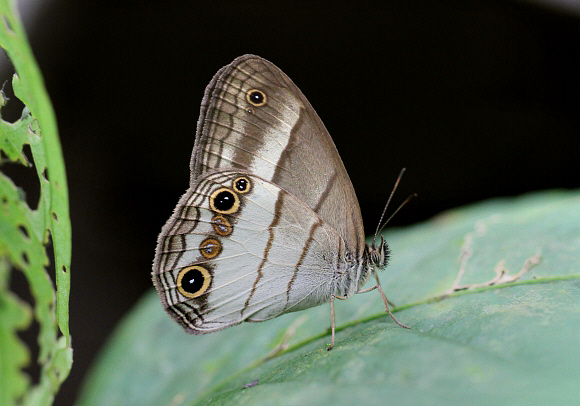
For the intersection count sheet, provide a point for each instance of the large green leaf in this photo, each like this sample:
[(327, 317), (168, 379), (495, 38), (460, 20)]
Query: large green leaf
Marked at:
[(25, 232), (514, 343)]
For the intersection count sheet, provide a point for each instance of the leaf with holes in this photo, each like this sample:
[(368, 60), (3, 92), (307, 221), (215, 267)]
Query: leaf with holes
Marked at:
[(26, 231), (481, 333)]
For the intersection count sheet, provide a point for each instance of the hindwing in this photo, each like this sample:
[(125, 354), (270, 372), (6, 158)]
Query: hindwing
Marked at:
[(240, 248)]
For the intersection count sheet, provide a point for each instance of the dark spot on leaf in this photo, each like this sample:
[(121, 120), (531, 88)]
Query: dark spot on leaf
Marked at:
[(7, 24), (31, 128), (54, 216)]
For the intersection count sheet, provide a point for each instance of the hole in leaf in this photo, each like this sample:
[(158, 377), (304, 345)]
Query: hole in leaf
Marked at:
[(50, 269), (27, 152), (25, 258), (12, 111), (29, 335), (45, 173), (54, 216), (25, 178), (64, 269), (23, 230)]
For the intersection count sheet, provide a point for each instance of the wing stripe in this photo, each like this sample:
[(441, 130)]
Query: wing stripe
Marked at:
[(292, 140), (325, 194), (271, 228), (302, 256)]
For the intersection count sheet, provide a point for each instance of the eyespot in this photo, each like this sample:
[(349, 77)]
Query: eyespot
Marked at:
[(210, 248), (193, 281), (242, 184), (224, 201), (222, 226), (256, 97), (250, 110)]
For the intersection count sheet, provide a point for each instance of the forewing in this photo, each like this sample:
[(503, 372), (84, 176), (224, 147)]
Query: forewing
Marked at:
[(282, 140)]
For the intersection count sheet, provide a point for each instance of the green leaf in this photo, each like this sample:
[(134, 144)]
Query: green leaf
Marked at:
[(511, 343), (14, 315), (25, 233)]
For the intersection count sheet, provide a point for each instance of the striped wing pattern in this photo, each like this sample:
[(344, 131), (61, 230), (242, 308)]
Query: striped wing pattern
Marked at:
[(283, 141), (280, 257), (270, 223)]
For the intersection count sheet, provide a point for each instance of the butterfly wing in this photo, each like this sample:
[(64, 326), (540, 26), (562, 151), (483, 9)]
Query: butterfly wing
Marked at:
[(254, 118), (261, 253)]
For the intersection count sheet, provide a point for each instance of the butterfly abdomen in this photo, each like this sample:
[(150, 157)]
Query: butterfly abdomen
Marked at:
[(351, 279)]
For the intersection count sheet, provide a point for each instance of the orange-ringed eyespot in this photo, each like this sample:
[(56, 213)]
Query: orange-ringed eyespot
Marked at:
[(256, 97), (224, 201), (193, 281), (210, 248), (222, 226), (242, 184)]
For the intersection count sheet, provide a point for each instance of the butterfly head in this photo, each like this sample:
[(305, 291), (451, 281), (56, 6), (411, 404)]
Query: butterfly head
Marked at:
[(379, 255)]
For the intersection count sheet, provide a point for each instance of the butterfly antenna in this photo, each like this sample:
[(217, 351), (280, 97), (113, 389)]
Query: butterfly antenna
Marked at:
[(398, 208), (379, 228)]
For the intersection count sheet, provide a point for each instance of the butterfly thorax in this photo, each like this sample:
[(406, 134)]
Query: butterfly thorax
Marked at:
[(354, 272)]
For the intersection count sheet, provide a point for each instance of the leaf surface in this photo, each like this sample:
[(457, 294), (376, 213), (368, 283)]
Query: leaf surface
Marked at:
[(26, 231), (514, 343)]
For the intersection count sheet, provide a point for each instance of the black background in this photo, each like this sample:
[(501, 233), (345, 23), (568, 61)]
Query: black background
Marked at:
[(476, 100)]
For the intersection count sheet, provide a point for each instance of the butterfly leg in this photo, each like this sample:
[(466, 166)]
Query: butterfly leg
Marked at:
[(386, 301), (332, 321), (373, 288), (383, 295)]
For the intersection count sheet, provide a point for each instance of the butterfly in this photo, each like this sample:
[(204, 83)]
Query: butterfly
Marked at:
[(270, 223)]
